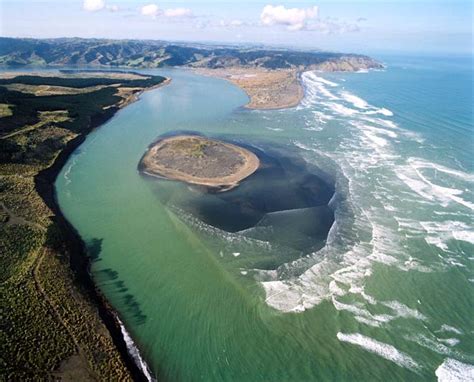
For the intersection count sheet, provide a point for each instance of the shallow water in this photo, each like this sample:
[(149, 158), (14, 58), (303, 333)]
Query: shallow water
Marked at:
[(262, 295)]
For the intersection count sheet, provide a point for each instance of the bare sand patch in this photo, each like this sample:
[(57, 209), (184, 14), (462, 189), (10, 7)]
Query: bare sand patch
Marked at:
[(267, 89), (199, 160)]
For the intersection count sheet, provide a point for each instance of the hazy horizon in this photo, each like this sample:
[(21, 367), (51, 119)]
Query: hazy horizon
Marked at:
[(428, 27)]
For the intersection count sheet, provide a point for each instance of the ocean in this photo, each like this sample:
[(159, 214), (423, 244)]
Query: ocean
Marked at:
[(374, 280)]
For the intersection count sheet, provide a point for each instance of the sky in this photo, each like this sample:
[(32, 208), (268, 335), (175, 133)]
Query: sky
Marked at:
[(361, 26)]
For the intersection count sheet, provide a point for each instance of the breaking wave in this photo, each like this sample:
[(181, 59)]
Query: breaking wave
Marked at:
[(385, 201), (135, 353), (384, 350)]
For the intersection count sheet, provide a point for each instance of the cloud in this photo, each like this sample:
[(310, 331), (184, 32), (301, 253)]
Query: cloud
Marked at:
[(93, 5), (150, 10), (298, 19), (293, 18), (113, 8), (178, 12)]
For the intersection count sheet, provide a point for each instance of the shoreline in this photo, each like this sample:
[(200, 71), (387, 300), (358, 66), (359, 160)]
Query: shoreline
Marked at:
[(79, 261), (267, 89), (149, 164)]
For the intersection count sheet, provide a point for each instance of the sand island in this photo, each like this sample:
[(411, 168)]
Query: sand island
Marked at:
[(201, 161)]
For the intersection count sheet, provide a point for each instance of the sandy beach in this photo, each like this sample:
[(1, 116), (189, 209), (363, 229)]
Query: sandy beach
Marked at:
[(267, 89)]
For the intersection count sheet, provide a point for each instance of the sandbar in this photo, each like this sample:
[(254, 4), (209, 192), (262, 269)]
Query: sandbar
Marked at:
[(201, 161), (267, 89)]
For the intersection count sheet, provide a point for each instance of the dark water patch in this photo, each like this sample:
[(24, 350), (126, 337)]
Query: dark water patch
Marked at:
[(285, 201), (130, 305), (93, 249)]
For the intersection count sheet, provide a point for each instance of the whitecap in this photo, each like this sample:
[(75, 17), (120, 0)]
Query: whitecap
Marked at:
[(312, 75), (452, 370), (449, 328), (401, 310), (340, 109), (354, 100), (389, 352)]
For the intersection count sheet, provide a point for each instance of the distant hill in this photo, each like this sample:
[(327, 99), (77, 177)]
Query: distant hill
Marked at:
[(153, 54)]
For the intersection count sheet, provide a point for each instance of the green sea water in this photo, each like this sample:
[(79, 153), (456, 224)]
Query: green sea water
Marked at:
[(389, 294)]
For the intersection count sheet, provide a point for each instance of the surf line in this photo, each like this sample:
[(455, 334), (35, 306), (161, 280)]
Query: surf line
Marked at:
[(134, 352)]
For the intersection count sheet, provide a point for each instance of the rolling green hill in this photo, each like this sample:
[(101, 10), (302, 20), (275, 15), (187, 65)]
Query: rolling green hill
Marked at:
[(152, 54)]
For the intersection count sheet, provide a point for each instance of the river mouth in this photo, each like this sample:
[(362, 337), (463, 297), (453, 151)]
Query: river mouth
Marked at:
[(285, 202)]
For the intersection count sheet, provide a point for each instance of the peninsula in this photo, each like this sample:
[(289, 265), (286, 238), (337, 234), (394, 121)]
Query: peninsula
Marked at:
[(201, 161)]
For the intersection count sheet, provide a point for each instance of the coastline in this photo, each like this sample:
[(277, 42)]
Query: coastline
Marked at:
[(266, 89), (76, 249)]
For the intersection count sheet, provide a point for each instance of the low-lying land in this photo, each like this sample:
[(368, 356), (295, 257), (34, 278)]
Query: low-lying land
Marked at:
[(201, 161), (267, 89), (270, 77), (55, 325)]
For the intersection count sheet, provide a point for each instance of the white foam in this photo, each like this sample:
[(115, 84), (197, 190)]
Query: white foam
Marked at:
[(383, 122), (354, 100), (322, 117), (385, 112), (404, 311), (450, 341), (340, 109), (416, 181), (449, 328), (376, 139), (375, 130), (452, 370), (389, 352), (282, 297), (73, 162), (467, 236), (368, 151), (314, 77), (135, 353), (439, 233), (421, 163)]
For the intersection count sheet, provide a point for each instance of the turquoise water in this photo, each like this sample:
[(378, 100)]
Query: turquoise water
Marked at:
[(389, 294)]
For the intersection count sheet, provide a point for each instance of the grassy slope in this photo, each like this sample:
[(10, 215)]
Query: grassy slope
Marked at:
[(52, 321), (152, 54)]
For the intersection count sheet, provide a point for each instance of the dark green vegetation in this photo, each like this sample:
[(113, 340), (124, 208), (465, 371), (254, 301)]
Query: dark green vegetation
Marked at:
[(151, 54), (52, 319)]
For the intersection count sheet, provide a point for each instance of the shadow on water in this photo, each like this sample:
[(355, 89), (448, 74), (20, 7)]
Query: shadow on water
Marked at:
[(285, 201), (93, 249), (110, 278)]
